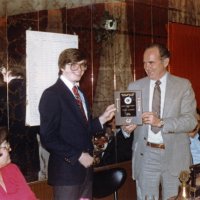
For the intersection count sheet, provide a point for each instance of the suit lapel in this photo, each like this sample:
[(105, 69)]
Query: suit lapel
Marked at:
[(146, 92), (145, 95), (86, 104), (145, 99), (169, 94)]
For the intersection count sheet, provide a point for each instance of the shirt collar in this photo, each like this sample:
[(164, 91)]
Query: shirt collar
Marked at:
[(163, 80), (69, 84)]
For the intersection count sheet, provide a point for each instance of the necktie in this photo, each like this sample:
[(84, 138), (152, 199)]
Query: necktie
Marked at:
[(156, 103), (78, 101)]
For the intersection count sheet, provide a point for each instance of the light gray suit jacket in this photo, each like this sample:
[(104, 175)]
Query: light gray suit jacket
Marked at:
[(179, 117)]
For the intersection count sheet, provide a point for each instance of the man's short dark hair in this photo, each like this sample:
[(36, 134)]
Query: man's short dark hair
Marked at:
[(164, 52)]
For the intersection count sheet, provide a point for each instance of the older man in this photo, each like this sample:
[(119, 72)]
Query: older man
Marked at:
[(161, 147)]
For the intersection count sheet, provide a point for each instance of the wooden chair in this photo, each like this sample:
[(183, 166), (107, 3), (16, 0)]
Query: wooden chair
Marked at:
[(42, 190)]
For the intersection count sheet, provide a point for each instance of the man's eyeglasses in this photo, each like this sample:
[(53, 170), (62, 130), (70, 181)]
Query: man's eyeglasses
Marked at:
[(76, 66)]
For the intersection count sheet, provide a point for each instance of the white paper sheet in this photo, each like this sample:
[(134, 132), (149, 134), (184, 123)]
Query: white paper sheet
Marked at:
[(42, 51)]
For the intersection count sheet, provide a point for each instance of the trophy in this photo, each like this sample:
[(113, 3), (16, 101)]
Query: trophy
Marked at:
[(128, 107), (184, 192)]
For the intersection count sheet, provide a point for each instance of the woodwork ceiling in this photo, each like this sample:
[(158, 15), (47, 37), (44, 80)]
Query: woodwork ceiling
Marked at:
[(8, 7)]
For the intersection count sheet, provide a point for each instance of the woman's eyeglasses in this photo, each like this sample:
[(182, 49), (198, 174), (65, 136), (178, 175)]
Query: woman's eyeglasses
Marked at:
[(5, 145)]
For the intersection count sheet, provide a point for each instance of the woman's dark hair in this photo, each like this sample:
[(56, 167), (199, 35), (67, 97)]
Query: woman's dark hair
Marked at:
[(3, 134)]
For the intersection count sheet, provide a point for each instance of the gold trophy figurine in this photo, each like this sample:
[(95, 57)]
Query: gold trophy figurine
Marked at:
[(184, 190)]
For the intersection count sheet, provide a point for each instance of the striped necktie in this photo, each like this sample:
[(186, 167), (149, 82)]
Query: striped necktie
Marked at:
[(156, 103), (78, 101)]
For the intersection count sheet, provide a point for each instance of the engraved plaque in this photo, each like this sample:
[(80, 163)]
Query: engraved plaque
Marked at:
[(128, 107)]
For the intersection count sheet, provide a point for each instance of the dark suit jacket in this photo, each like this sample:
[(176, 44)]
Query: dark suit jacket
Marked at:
[(65, 134)]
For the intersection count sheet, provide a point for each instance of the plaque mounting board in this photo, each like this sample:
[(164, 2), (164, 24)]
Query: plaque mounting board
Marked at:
[(128, 107)]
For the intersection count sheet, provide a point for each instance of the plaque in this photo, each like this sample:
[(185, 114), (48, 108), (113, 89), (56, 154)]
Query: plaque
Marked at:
[(128, 107)]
